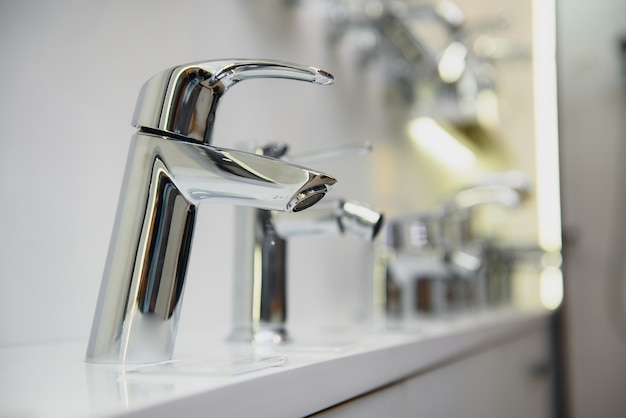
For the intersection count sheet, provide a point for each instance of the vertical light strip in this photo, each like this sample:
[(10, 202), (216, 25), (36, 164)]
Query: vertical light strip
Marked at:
[(546, 125), (547, 147)]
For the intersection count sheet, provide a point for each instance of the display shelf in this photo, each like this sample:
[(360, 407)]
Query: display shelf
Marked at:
[(224, 380)]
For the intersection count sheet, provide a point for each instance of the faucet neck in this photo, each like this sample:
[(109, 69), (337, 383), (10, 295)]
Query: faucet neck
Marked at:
[(142, 287), (141, 291)]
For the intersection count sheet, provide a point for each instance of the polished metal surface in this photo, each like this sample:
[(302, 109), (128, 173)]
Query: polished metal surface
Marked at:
[(260, 292), (182, 100), (167, 176)]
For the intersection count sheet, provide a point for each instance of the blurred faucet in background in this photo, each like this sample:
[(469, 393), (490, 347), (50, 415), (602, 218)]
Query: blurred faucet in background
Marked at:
[(260, 292), (480, 268), (436, 264)]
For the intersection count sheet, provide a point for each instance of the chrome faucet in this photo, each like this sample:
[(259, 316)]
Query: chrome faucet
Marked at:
[(172, 168), (260, 292)]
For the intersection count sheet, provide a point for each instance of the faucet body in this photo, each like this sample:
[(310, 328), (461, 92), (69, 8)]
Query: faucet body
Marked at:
[(171, 169), (260, 291)]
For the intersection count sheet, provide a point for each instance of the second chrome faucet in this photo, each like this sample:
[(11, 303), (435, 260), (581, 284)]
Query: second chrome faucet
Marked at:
[(260, 286), (172, 168)]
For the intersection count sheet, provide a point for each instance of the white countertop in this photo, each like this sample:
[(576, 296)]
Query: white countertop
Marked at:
[(300, 379)]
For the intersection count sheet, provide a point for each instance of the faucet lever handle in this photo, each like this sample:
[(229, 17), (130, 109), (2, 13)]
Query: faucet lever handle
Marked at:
[(506, 188), (182, 101)]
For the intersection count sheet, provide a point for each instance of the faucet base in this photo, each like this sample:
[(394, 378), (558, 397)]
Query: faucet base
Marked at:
[(265, 335), (272, 336)]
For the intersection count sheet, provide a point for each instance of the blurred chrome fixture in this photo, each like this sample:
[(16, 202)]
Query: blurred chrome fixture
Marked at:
[(416, 271), (436, 264), (448, 226), (172, 168), (480, 263), (385, 28), (433, 56), (260, 293), (437, 141)]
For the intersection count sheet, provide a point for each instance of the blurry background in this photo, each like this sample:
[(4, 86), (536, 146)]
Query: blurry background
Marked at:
[(71, 72)]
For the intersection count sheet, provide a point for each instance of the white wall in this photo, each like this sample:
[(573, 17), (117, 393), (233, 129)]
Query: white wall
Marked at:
[(69, 79), (71, 74), (592, 101)]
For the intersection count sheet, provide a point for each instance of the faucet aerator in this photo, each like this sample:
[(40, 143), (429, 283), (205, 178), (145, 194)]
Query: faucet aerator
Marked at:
[(308, 198)]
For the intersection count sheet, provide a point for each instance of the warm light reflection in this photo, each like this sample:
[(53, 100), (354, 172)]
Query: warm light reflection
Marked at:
[(440, 144), (551, 287), (452, 62), (546, 125)]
